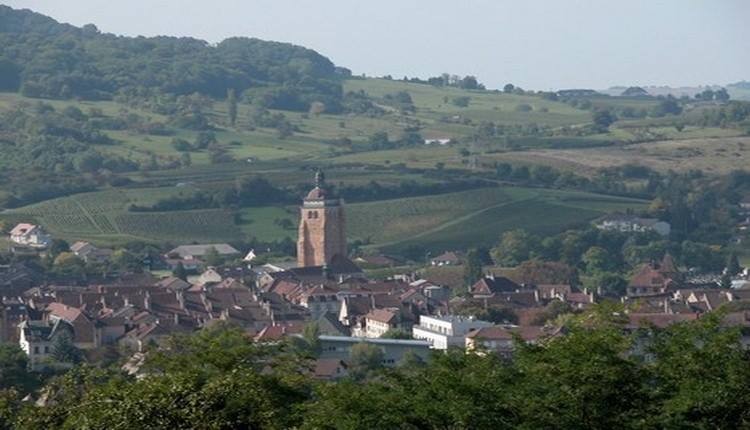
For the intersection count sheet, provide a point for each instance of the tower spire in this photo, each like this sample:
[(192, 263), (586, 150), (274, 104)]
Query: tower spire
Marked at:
[(320, 179)]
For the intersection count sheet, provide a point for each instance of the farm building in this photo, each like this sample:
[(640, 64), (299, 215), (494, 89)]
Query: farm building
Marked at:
[(188, 252), (441, 142)]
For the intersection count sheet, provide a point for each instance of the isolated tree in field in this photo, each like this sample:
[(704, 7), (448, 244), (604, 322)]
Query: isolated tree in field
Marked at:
[(603, 118), (204, 139), (508, 88), (232, 106)]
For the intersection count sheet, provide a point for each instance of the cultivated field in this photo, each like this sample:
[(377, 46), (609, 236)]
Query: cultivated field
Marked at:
[(712, 155), (475, 217), (439, 221)]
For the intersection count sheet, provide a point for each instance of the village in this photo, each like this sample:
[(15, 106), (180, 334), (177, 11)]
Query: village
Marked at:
[(404, 315)]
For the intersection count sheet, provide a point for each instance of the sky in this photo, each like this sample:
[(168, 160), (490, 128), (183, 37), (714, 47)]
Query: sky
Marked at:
[(535, 44)]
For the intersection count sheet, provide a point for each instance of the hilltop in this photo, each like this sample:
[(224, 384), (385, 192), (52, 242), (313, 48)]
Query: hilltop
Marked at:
[(103, 135)]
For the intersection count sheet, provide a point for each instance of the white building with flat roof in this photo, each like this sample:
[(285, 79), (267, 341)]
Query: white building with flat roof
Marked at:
[(446, 331)]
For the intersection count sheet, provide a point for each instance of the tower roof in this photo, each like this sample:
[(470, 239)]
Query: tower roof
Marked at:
[(316, 193), (319, 192)]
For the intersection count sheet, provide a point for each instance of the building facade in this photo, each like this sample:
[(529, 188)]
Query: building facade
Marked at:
[(322, 227), (446, 331)]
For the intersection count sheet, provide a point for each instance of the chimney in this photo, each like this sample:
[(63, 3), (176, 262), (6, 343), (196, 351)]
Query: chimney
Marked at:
[(180, 299)]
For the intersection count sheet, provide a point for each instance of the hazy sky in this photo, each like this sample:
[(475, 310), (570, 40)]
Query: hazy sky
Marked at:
[(548, 44)]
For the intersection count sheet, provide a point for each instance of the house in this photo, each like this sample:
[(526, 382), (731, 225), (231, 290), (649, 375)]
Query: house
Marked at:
[(441, 142), (501, 339), (30, 235), (394, 350), (85, 334), (37, 339), (491, 285), (90, 253), (330, 369), (661, 320), (448, 258), (200, 251), (446, 331), (631, 223), (209, 277), (380, 321), (251, 255), (376, 261), (654, 278)]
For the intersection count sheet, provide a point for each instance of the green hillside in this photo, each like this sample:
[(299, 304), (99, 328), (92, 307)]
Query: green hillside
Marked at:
[(440, 221)]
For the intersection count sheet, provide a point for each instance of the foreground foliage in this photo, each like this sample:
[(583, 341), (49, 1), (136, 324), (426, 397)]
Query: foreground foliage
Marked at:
[(690, 376)]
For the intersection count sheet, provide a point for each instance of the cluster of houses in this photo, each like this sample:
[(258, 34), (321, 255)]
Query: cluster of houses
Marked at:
[(405, 315)]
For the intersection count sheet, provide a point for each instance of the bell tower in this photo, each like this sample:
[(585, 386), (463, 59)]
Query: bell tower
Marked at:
[(321, 227)]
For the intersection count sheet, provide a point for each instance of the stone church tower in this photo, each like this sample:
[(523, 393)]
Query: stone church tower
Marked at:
[(321, 227)]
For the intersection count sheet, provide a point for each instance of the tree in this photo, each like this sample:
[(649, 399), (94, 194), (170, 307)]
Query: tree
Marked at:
[(180, 272), (58, 246), (64, 351), (733, 264), (396, 334), (68, 264), (213, 258), (603, 118), (607, 284), (13, 369), (508, 88), (379, 140), (597, 259), (126, 261), (232, 106), (472, 267), (204, 139), (722, 95), (515, 247), (365, 358)]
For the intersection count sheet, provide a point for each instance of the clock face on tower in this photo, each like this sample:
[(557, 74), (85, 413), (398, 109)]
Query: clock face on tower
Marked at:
[(322, 228)]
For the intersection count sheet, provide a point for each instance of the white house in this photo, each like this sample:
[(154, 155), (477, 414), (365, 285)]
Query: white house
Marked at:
[(37, 338), (446, 331), (441, 142), (30, 235), (629, 223)]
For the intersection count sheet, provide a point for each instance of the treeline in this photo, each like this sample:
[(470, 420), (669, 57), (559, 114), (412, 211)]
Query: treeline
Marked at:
[(594, 374), (42, 58), (248, 192), (257, 191)]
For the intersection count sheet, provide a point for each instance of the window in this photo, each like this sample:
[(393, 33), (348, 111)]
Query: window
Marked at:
[(46, 349), (36, 350)]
